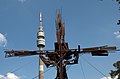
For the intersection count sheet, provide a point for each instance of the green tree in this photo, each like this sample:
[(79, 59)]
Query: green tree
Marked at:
[(116, 72)]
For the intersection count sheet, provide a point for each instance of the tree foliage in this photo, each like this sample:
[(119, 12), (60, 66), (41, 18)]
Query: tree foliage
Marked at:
[(116, 72)]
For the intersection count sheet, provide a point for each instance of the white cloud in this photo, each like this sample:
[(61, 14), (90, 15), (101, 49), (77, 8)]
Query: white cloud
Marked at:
[(2, 77), (106, 78), (12, 76), (118, 36), (109, 78), (3, 40), (22, 1), (9, 76), (117, 33)]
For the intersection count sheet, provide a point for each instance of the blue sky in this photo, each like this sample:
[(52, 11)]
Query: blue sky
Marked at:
[(87, 22)]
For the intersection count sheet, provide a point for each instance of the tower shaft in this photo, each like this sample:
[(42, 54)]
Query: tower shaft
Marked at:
[(41, 69)]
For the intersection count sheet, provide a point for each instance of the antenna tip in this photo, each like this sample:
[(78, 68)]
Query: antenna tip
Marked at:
[(40, 16)]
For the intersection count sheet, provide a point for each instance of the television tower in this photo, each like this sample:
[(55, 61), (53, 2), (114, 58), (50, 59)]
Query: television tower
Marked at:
[(40, 45)]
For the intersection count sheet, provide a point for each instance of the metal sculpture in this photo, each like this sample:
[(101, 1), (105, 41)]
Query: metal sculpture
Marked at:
[(62, 55)]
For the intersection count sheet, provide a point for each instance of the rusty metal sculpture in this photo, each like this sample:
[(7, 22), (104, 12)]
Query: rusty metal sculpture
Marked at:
[(62, 55)]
